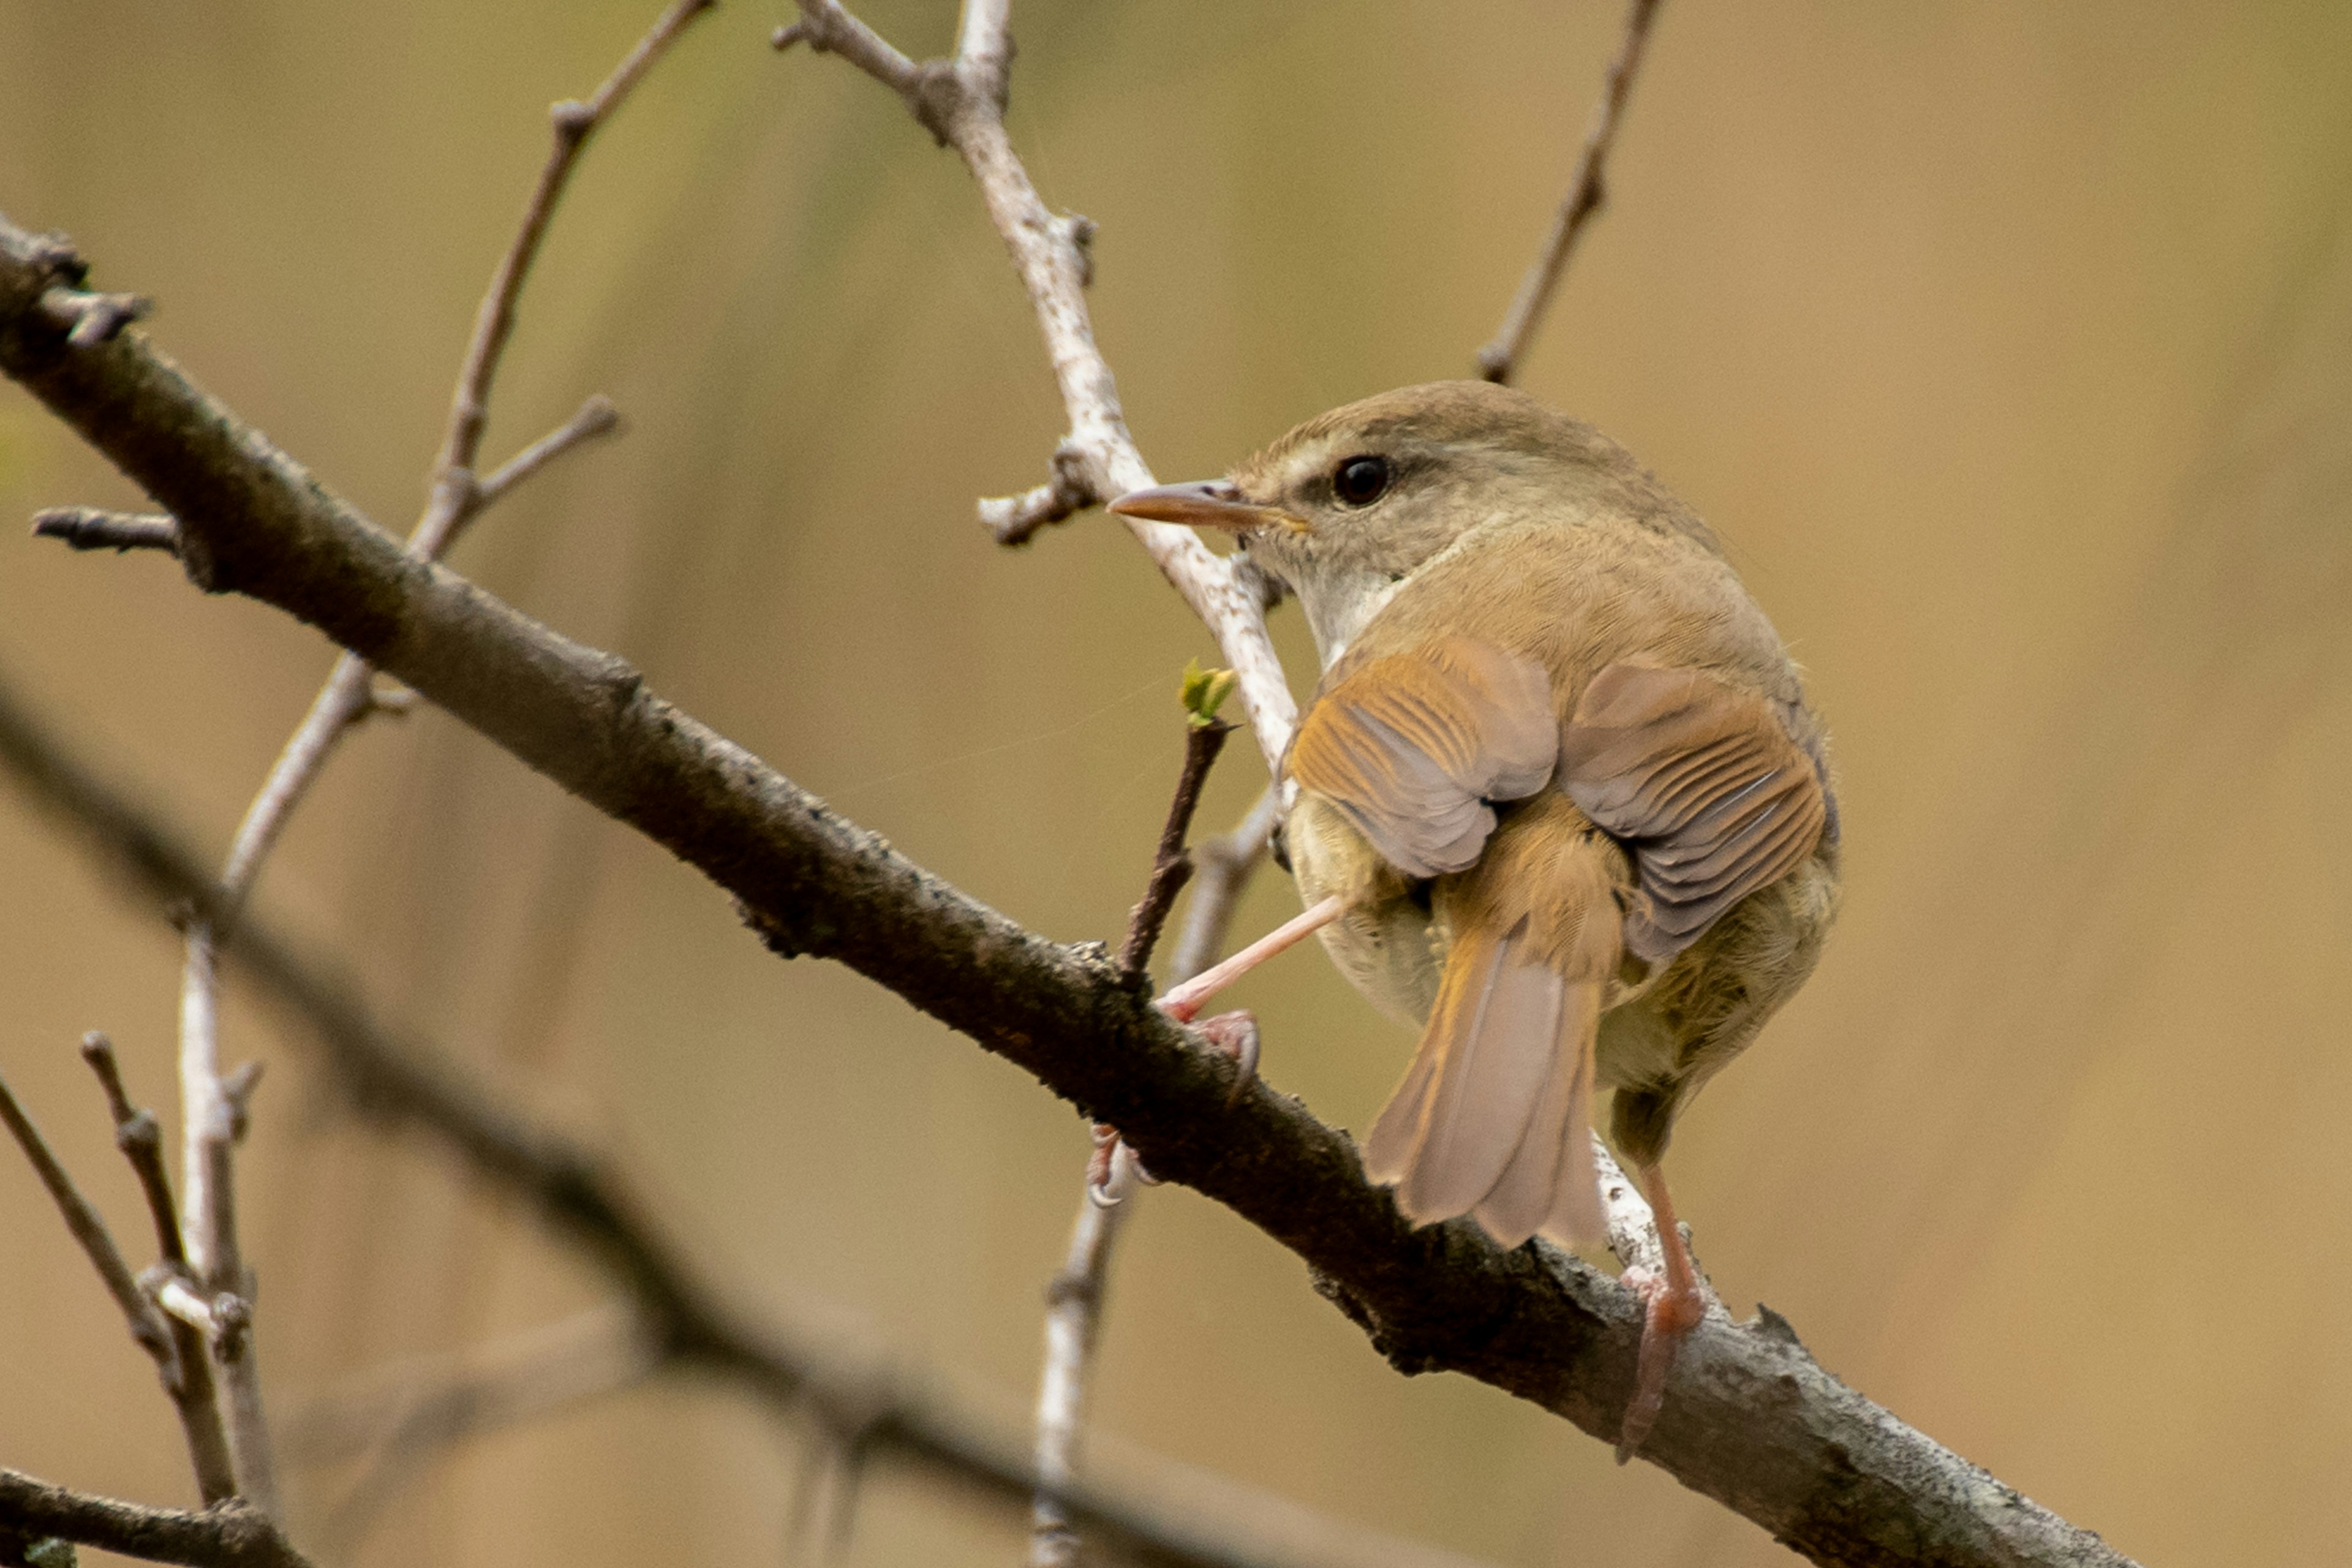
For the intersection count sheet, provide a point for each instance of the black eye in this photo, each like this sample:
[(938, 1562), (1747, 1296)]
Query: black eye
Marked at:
[(1359, 482)]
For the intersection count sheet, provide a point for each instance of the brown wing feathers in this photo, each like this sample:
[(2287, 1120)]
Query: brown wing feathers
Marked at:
[(1707, 785), (1704, 797), (1413, 746)]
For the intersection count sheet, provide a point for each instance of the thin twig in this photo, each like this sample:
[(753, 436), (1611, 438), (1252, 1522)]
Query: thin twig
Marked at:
[(179, 1354), (1172, 866), (469, 410), (190, 1380), (597, 417), (455, 498), (1074, 1300), (208, 1218), (95, 528), (1499, 360), (89, 1230), (962, 102), (432, 1401), (142, 1142), (1074, 1306), (1015, 519)]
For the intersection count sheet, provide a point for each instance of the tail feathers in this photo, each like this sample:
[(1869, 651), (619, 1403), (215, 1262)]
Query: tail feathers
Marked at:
[(1494, 1117)]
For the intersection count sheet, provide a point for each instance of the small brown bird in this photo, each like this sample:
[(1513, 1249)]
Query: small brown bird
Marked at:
[(1560, 798)]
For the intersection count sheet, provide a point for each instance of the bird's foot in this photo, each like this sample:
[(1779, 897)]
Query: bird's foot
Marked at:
[(1235, 1034), (1231, 1033), (1668, 1315)]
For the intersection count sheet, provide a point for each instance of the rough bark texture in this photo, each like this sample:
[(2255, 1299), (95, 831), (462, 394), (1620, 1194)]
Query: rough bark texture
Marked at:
[(1750, 1419), (230, 1534)]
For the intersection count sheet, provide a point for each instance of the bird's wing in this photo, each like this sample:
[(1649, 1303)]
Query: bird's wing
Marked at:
[(1411, 746), (1704, 783)]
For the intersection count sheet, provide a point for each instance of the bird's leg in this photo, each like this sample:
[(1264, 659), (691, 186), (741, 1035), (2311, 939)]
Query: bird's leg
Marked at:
[(1233, 1034), (1183, 1001), (1671, 1308)]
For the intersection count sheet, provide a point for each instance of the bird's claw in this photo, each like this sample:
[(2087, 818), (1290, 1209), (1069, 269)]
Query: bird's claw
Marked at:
[(1235, 1034)]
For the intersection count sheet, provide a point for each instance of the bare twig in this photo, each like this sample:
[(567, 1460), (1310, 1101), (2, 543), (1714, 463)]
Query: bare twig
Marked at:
[(208, 1219), (962, 102), (597, 417), (1074, 1306), (1171, 866), (142, 1142), (1074, 1300), (89, 1230), (575, 123), (226, 1534), (95, 528), (189, 1378), (1499, 360), (93, 318), (1750, 1419), (179, 1355), (455, 498), (1015, 519)]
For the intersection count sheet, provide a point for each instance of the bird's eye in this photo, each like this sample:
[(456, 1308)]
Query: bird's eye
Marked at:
[(1359, 482)]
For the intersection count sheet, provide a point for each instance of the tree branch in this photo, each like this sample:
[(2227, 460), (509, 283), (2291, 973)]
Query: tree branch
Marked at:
[(962, 102), (231, 1534), (871, 1407), (97, 1242), (1587, 193), (456, 498), (1750, 1419), (95, 528), (189, 1380)]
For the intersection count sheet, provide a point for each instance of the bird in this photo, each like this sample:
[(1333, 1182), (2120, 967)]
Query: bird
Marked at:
[(1559, 800)]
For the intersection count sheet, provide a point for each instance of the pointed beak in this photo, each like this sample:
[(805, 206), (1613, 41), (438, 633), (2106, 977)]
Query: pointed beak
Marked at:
[(1204, 504)]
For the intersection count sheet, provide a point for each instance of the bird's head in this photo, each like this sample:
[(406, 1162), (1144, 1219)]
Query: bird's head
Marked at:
[(1345, 509)]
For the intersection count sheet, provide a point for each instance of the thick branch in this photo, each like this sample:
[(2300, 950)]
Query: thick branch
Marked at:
[(872, 1407), (1587, 193), (229, 1534), (1750, 1419)]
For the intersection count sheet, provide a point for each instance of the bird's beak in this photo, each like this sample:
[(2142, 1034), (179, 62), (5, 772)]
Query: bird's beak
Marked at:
[(1204, 504)]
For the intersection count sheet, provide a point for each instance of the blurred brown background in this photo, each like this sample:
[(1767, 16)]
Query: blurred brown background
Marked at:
[(2010, 346)]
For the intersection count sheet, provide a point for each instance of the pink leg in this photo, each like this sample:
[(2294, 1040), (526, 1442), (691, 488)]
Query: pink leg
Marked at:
[(1185, 1002), (1672, 1309)]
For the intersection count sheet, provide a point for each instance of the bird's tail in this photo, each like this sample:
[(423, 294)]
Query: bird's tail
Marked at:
[(1494, 1117)]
